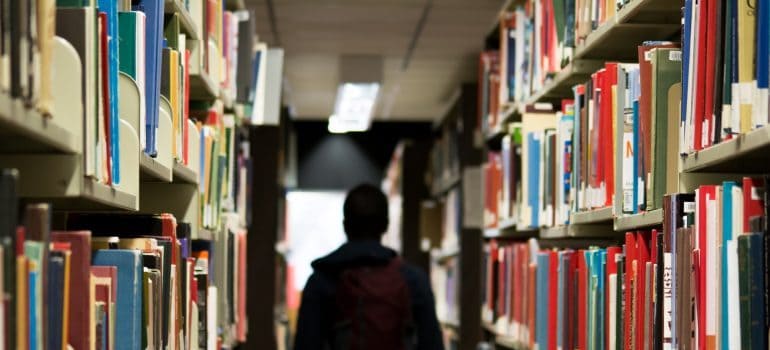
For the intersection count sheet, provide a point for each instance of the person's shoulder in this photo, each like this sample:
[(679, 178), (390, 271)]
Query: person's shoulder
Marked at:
[(414, 275)]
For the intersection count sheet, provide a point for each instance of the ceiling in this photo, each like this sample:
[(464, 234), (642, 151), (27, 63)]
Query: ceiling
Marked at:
[(316, 33)]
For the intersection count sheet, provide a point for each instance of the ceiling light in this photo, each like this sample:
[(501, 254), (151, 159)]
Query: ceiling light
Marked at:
[(354, 107)]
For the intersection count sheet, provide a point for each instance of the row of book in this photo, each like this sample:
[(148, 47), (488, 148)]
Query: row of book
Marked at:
[(615, 142), (445, 158), (725, 75), (142, 40), (698, 282), (117, 281), (536, 40)]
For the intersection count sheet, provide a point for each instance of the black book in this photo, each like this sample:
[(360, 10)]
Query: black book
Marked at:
[(8, 222)]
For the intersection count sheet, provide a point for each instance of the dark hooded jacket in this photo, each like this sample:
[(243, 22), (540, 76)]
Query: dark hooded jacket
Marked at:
[(316, 314)]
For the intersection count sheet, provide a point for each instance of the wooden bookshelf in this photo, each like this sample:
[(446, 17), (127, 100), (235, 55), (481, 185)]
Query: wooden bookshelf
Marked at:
[(745, 153), (641, 220), (24, 130), (188, 25)]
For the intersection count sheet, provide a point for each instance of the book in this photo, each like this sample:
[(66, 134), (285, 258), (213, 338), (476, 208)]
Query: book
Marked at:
[(80, 263), (129, 297)]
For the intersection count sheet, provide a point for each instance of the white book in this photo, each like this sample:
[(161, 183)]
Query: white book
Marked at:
[(711, 266), (612, 298), (733, 295), (211, 318)]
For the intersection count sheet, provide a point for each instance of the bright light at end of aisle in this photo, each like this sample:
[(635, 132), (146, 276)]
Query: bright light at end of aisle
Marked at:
[(354, 107)]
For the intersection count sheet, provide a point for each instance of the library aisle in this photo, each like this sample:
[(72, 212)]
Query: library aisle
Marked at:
[(555, 174)]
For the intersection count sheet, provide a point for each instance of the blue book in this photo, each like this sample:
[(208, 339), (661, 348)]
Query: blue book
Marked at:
[(638, 182), (727, 235), (763, 48), (576, 147), (33, 321), (153, 10), (590, 299), (686, 36), (533, 140), (756, 291), (541, 307), (128, 315), (600, 263), (562, 297), (55, 300), (110, 8), (511, 64)]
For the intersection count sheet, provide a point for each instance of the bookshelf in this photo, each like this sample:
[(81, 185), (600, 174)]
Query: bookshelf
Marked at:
[(25, 130), (151, 169), (641, 220), (188, 24), (633, 216), (561, 83), (89, 155), (634, 23), (746, 153)]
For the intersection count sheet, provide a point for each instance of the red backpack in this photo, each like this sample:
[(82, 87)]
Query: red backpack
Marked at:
[(373, 309)]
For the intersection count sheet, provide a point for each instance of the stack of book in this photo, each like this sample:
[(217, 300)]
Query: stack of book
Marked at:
[(695, 283)]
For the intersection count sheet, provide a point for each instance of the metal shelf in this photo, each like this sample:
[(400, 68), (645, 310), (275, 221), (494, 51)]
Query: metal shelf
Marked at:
[(188, 25), (202, 88), (152, 170), (183, 174), (745, 153), (24, 130), (641, 220), (235, 5), (637, 22), (591, 216), (560, 86)]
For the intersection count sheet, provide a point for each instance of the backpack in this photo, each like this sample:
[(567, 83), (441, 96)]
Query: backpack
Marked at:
[(374, 310)]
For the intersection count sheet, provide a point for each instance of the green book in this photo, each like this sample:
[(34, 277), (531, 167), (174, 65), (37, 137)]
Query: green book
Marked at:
[(171, 30), (744, 290), (666, 93), (127, 43), (73, 3)]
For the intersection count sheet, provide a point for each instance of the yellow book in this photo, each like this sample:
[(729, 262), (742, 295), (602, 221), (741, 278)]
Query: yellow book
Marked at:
[(174, 99), (66, 306), (22, 311), (746, 50)]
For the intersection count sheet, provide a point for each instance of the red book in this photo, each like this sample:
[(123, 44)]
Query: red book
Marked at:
[(753, 205), (241, 328), (612, 269), (645, 106), (628, 291), (642, 257), (710, 67), (106, 292), (700, 74), (502, 266), (531, 297), (80, 278), (606, 147), (514, 278), (553, 299), (105, 81), (491, 262), (582, 295), (705, 193)]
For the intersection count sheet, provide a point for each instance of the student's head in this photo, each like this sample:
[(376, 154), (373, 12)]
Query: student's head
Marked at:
[(366, 213)]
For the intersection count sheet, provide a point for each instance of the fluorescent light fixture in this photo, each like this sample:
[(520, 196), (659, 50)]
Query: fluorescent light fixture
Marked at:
[(354, 107)]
